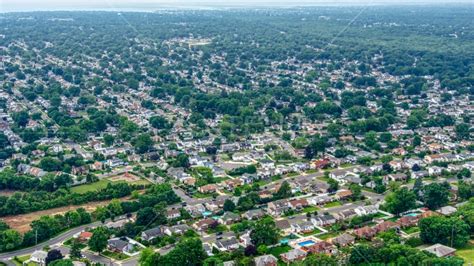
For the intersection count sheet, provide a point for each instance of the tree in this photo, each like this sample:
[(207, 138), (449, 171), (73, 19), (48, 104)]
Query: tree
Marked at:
[(9, 239), (356, 191), (160, 122), (21, 118), (465, 190), (145, 216), (264, 232), (284, 191), (362, 254), (145, 256), (53, 255), (320, 260), (435, 196), (229, 205), (333, 185), (75, 249), (399, 201), (462, 131), (98, 241), (418, 187), (108, 140), (187, 252), (450, 231), (416, 141), (464, 173), (182, 160), (143, 143)]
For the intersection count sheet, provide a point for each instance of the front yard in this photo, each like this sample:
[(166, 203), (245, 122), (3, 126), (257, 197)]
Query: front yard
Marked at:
[(114, 255), (467, 253)]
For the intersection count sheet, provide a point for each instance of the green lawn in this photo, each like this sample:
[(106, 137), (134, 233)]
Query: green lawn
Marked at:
[(276, 251), (328, 235), (19, 260), (90, 187), (411, 230), (114, 255), (310, 209), (102, 184), (467, 253), (332, 204)]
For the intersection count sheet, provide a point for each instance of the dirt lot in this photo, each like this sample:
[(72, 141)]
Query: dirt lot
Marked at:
[(22, 222), (127, 177)]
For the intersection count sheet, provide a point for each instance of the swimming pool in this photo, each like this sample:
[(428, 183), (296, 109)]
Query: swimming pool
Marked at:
[(306, 243), (412, 214), (206, 213)]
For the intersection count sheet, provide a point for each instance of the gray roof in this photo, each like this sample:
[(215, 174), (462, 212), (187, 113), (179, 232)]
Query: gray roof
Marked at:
[(440, 250)]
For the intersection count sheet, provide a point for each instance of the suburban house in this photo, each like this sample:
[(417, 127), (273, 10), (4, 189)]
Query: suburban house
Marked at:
[(343, 194), (343, 240), (204, 224), (151, 234), (365, 232), (209, 188), (266, 260), (38, 256), (278, 207), (385, 226), (324, 220), (303, 226), (119, 245), (298, 204), (228, 244), (173, 214), (178, 229), (293, 255), (253, 214), (322, 247), (229, 218), (441, 250)]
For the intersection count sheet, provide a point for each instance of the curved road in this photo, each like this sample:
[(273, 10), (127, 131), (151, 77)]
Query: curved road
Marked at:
[(55, 240)]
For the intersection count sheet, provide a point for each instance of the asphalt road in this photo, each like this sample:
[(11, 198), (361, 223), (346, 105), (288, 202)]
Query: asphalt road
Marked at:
[(53, 241)]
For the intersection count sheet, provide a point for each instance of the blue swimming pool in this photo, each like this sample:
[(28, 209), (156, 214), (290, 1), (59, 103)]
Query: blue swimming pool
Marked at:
[(306, 243), (411, 214), (206, 213)]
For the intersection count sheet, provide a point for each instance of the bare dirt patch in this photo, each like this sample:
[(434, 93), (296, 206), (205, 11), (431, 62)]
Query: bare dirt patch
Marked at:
[(127, 177)]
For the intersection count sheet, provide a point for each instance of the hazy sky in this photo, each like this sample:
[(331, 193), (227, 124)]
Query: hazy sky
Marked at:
[(150, 5)]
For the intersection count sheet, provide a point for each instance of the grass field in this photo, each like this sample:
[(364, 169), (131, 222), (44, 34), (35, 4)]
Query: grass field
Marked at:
[(332, 204), (91, 187), (102, 184), (328, 235), (467, 253)]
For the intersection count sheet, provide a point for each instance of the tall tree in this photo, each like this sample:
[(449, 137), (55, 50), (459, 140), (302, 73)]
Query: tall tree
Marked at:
[(399, 201), (264, 232), (98, 241), (435, 196)]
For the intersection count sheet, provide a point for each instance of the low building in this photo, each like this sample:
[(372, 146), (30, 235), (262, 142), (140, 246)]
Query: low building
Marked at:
[(441, 250), (293, 255), (153, 233), (266, 260), (343, 240)]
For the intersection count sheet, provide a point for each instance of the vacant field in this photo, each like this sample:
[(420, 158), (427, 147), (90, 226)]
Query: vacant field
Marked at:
[(91, 187), (22, 222), (467, 253), (103, 183)]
